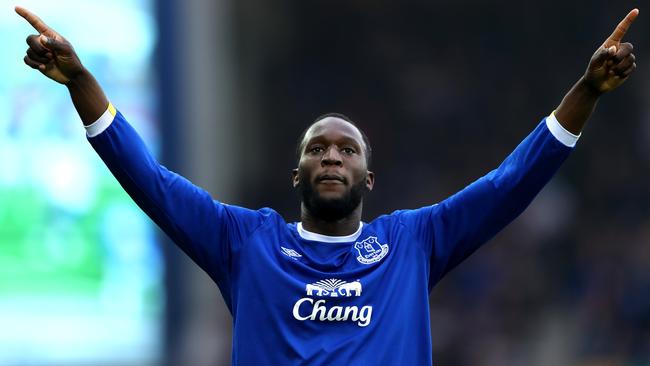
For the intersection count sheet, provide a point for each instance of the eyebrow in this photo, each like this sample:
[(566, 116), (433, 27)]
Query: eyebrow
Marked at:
[(345, 139)]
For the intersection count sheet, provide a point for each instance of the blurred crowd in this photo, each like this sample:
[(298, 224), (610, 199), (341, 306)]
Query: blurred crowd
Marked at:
[(445, 90)]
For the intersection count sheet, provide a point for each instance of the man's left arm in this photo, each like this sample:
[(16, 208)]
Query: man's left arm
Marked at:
[(457, 226), (609, 67)]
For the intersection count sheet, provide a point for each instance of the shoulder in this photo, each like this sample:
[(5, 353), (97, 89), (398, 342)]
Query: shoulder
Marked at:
[(248, 219), (263, 213), (240, 223), (405, 217)]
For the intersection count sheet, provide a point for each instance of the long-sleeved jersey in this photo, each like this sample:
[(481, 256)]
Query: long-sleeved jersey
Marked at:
[(300, 298)]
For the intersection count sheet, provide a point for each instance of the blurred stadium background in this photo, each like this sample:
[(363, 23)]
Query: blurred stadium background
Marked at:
[(220, 91)]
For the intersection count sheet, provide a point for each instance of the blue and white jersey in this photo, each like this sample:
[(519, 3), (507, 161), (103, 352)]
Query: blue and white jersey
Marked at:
[(300, 298)]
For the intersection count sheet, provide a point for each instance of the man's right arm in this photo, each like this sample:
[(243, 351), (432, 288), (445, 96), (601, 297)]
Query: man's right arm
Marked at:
[(206, 230)]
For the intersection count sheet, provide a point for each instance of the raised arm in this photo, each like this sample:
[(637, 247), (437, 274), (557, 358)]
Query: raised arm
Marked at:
[(206, 230), (453, 229), (610, 66)]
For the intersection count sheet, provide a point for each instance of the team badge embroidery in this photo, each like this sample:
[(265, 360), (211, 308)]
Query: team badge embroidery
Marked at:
[(370, 250)]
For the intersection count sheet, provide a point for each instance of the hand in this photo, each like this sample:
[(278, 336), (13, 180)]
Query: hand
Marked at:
[(613, 62), (49, 52)]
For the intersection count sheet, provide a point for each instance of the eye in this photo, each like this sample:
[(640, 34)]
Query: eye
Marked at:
[(348, 150), (315, 150)]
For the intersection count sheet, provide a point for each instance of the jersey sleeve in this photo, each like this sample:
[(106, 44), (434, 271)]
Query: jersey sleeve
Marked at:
[(205, 229), (453, 229)]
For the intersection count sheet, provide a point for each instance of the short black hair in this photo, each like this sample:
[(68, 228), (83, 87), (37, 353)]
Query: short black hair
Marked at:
[(366, 141)]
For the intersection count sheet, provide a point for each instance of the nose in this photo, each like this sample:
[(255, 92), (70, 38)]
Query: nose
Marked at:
[(331, 157)]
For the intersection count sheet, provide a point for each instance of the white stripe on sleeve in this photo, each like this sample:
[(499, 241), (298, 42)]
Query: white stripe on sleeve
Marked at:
[(561, 133), (102, 123)]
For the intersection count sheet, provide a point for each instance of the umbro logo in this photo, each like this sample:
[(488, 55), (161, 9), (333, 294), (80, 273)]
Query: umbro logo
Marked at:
[(290, 253)]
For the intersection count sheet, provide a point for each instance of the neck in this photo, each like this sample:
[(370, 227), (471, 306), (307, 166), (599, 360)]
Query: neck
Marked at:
[(345, 226)]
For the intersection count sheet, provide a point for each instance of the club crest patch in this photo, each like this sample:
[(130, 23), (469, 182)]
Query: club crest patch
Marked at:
[(370, 250)]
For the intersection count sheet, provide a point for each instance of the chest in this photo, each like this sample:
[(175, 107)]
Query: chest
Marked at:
[(343, 284)]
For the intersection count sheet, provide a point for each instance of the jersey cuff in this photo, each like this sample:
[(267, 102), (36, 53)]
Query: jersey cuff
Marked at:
[(102, 123), (560, 133)]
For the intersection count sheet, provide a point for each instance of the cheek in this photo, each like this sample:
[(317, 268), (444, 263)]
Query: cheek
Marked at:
[(306, 169), (360, 175)]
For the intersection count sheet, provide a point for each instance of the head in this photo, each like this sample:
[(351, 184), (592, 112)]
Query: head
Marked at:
[(333, 161)]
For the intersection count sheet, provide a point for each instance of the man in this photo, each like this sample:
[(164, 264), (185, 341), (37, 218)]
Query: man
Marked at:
[(330, 290)]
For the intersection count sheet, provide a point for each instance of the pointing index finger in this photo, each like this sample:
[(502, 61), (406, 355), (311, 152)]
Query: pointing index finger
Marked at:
[(621, 29), (34, 20)]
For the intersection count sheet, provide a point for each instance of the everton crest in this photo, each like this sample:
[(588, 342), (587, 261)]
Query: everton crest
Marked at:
[(370, 250)]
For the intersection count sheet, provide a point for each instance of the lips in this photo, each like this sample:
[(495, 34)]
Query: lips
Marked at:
[(326, 178)]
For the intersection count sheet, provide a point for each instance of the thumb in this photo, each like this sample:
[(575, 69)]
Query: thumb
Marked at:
[(602, 55), (53, 44)]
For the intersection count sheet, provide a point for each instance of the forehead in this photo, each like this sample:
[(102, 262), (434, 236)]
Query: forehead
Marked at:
[(333, 128)]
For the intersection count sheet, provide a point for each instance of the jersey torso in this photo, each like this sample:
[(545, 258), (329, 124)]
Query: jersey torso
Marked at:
[(300, 298)]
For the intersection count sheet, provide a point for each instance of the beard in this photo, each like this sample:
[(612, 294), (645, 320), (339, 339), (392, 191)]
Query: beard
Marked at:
[(331, 209)]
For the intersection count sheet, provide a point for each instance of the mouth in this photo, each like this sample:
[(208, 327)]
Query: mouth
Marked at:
[(330, 179)]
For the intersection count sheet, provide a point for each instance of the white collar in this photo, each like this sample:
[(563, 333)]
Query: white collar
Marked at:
[(308, 235)]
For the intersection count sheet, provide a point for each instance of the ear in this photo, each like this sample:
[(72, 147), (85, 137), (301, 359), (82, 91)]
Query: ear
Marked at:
[(370, 180), (295, 178)]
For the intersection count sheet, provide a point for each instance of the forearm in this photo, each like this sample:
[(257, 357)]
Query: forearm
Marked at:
[(181, 209), (466, 220), (87, 96), (577, 106)]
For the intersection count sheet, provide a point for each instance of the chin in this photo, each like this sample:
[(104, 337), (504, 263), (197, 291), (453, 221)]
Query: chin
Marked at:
[(332, 196), (331, 202), (338, 193)]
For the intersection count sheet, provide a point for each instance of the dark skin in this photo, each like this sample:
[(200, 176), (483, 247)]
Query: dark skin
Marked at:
[(54, 57), (333, 153), (333, 159), (609, 67)]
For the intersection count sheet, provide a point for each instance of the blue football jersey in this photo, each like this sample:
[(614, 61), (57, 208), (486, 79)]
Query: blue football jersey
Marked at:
[(300, 298)]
